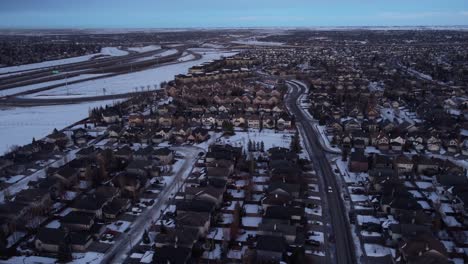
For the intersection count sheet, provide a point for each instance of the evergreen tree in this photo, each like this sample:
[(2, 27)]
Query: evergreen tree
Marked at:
[(344, 153), (257, 146), (262, 146), (146, 238), (249, 146), (295, 143), (64, 252)]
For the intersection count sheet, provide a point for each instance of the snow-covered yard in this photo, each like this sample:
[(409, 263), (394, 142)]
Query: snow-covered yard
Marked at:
[(375, 250), (251, 221)]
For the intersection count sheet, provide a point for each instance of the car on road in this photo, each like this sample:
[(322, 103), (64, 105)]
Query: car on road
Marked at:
[(136, 210), (329, 189)]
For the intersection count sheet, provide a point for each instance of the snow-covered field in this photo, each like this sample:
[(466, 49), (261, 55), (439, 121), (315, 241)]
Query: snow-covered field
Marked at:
[(19, 125), (45, 84), (257, 43), (129, 82), (109, 51), (268, 136), (145, 48), (162, 54)]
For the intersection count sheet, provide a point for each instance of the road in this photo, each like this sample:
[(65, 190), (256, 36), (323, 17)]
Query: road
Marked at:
[(118, 251), (17, 100), (344, 244)]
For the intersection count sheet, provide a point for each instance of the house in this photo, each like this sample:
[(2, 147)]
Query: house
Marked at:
[(416, 249), (165, 155), (209, 120), (382, 161), (290, 189), (118, 205), (110, 116), (124, 153), (268, 122), (254, 121), (172, 254), (200, 134), (358, 162), (88, 152), (270, 249), (90, 204), (199, 220), (12, 216), (67, 175), (382, 141), (183, 237), (208, 193), (202, 205), (238, 121), (284, 122), (452, 145), (136, 119), (50, 240), (360, 135), (58, 138), (284, 214), (131, 185), (164, 132), (403, 164), (351, 125), (165, 120), (114, 131), (78, 221), (426, 165), (433, 144), (289, 232)]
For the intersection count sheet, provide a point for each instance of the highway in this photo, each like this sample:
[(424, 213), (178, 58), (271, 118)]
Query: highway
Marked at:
[(344, 244)]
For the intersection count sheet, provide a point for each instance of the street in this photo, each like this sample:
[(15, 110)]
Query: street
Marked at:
[(116, 254), (345, 250)]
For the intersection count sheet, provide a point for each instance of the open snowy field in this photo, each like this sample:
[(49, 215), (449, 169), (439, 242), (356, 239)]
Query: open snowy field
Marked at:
[(255, 42), (125, 83), (19, 125), (109, 51), (145, 48), (269, 137), (162, 54), (45, 84)]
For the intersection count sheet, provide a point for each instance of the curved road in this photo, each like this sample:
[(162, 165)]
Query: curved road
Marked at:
[(345, 249)]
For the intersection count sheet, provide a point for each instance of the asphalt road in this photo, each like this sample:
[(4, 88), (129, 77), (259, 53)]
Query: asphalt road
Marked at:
[(344, 244), (123, 245)]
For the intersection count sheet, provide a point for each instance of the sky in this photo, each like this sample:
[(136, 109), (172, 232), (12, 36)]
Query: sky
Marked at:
[(229, 13)]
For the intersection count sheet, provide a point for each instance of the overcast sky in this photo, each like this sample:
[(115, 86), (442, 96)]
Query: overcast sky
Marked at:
[(229, 13)]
